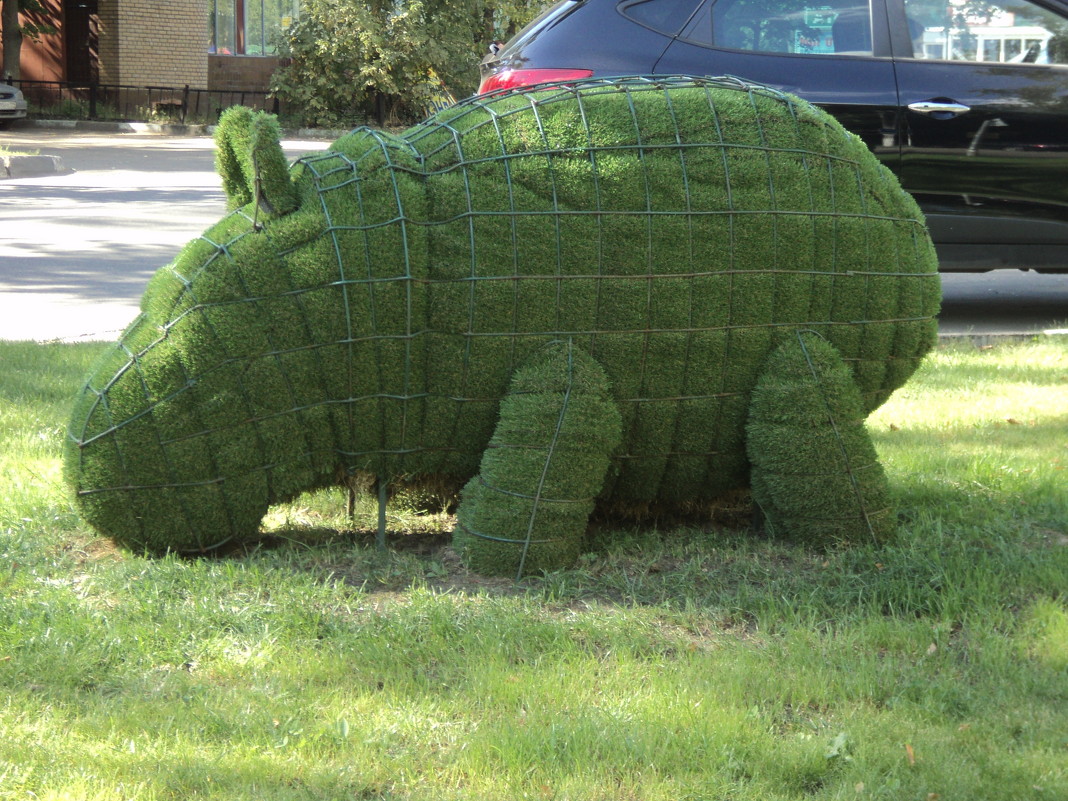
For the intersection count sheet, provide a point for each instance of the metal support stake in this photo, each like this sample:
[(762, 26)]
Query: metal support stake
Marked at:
[(383, 485)]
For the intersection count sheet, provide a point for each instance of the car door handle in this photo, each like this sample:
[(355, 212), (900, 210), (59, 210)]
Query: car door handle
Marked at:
[(939, 107)]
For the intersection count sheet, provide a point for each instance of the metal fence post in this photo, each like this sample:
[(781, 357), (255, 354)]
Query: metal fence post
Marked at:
[(380, 108)]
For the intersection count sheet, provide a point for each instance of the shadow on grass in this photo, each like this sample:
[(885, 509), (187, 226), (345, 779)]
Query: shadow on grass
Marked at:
[(742, 578)]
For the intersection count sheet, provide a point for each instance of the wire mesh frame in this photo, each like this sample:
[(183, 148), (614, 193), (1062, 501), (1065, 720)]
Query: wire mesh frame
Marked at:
[(330, 166)]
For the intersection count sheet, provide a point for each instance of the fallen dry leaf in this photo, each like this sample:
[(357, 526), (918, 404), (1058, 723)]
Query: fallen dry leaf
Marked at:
[(910, 754)]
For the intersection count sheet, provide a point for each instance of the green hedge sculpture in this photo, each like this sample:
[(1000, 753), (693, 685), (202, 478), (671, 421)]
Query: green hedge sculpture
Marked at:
[(630, 294)]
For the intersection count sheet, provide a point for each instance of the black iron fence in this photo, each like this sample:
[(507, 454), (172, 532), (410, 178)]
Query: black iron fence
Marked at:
[(98, 101)]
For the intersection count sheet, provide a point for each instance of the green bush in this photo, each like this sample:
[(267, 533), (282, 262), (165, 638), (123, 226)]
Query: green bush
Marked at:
[(343, 58), (673, 233)]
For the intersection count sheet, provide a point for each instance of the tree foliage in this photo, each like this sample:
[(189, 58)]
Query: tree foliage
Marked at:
[(347, 59)]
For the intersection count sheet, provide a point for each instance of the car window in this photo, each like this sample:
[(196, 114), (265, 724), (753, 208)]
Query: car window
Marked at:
[(784, 26), (1007, 32), (666, 16)]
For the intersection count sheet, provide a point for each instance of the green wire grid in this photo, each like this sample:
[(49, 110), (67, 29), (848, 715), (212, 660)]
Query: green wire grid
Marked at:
[(673, 228)]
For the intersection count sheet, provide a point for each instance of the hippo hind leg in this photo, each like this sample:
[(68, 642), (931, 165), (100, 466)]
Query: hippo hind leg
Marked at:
[(815, 474), (528, 507)]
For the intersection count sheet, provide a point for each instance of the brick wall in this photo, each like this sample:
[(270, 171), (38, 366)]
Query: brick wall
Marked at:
[(108, 14), (149, 43)]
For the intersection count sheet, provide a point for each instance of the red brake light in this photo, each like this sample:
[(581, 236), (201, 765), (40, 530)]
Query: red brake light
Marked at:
[(513, 79)]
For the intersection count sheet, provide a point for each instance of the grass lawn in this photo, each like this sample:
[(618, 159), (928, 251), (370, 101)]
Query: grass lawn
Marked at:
[(685, 662)]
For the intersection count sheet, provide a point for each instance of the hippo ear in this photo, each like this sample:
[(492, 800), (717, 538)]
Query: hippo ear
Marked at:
[(250, 161)]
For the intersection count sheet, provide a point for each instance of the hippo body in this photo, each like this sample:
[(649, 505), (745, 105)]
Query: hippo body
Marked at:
[(641, 245)]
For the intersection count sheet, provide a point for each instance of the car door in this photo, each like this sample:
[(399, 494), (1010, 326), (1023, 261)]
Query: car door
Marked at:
[(984, 104), (835, 53)]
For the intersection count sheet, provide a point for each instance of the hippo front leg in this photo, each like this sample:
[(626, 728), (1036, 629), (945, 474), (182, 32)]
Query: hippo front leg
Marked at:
[(815, 474), (528, 507)]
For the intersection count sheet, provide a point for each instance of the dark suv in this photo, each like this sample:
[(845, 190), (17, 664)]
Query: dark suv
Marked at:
[(966, 100)]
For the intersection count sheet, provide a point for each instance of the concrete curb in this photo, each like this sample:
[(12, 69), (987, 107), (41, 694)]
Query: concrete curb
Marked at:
[(95, 126), (30, 166)]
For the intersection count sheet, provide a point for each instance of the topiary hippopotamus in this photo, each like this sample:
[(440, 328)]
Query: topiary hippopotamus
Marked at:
[(630, 294)]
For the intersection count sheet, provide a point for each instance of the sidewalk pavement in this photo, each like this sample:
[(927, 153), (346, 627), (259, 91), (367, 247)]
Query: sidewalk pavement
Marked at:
[(35, 166), (44, 305), (62, 318)]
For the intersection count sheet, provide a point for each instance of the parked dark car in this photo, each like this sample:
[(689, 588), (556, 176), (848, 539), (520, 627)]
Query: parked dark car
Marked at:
[(966, 101)]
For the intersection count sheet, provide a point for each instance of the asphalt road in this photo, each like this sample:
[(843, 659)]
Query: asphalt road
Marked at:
[(77, 249)]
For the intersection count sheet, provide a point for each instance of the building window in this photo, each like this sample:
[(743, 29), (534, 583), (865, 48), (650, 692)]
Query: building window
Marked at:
[(248, 27)]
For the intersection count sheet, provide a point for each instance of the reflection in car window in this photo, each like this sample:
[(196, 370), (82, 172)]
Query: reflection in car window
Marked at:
[(784, 26), (666, 16), (1006, 31)]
